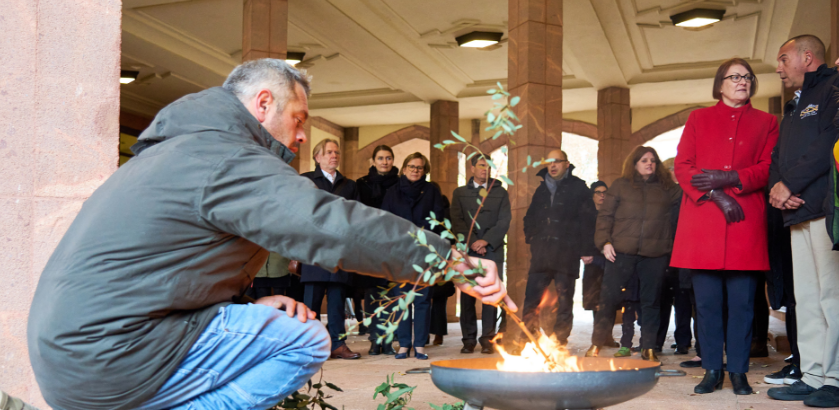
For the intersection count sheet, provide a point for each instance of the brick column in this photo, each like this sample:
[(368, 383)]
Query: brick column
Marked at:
[(265, 29), (444, 120), (65, 60), (352, 166), (613, 131), (834, 33), (535, 74)]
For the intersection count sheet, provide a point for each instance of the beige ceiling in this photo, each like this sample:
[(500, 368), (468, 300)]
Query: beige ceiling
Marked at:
[(385, 61)]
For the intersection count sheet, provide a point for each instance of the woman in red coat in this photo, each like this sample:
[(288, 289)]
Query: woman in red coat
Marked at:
[(723, 167)]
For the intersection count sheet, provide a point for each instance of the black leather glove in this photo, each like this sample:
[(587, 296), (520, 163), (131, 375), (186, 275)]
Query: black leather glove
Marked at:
[(729, 207), (714, 179)]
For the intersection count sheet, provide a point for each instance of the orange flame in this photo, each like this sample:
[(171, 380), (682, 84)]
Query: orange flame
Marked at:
[(531, 361)]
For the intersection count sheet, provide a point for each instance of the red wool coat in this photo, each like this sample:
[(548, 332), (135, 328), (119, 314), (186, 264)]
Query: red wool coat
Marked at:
[(739, 139)]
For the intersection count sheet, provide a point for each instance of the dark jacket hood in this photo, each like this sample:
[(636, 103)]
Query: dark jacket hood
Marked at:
[(214, 109)]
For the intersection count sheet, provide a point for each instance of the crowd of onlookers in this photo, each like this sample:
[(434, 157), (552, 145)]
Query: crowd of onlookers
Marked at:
[(744, 206)]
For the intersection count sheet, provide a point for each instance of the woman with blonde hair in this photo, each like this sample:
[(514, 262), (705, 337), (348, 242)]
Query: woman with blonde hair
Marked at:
[(634, 231)]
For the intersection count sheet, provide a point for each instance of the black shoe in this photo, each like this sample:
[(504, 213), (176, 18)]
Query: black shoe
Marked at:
[(788, 359), (388, 349), (674, 345), (740, 384), (827, 396), (375, 349), (614, 344), (758, 350), (712, 381), (658, 349), (682, 350), (487, 349), (691, 364), (649, 355), (779, 376), (468, 349), (798, 391), (636, 349)]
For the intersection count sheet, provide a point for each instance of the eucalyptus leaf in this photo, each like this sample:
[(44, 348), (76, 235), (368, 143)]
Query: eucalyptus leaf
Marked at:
[(514, 101), (418, 268), (421, 237)]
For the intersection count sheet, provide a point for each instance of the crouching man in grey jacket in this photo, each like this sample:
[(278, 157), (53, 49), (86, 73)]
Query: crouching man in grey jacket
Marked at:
[(137, 307)]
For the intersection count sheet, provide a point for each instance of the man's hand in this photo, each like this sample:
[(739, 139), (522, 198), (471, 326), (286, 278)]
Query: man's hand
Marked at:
[(489, 289), (609, 252), (289, 305), (794, 202), (587, 259), (479, 246), (779, 195)]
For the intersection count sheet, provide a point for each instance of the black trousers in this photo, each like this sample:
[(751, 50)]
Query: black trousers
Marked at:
[(537, 285), (335, 294), (760, 329), (672, 296), (469, 316), (439, 317), (630, 315), (286, 286), (418, 322), (651, 274), (710, 288)]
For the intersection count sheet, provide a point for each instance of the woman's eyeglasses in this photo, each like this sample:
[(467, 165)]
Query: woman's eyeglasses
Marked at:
[(737, 77), (414, 168)]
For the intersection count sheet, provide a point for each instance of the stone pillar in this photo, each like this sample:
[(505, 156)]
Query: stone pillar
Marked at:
[(535, 74), (64, 60), (265, 29), (444, 120), (353, 167), (613, 131), (834, 33)]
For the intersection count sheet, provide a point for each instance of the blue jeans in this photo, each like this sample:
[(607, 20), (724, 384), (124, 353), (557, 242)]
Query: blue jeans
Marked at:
[(248, 357)]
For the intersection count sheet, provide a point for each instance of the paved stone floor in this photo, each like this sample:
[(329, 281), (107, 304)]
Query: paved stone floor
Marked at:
[(358, 378)]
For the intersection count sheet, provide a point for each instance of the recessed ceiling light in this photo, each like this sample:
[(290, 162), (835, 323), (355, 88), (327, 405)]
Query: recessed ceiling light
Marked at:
[(127, 76), (294, 57), (697, 18), (479, 39)]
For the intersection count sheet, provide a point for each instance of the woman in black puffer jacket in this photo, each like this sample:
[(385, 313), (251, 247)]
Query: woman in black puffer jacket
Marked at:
[(414, 198), (371, 192)]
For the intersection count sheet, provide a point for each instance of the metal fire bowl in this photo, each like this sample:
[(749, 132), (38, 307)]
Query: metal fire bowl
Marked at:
[(477, 382)]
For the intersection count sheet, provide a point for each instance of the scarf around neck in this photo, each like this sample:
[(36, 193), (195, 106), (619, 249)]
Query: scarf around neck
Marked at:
[(412, 190), (380, 183)]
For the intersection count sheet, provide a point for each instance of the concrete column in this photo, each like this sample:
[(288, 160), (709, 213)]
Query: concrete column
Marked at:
[(265, 29), (353, 167), (534, 74), (444, 120), (64, 60), (613, 131)]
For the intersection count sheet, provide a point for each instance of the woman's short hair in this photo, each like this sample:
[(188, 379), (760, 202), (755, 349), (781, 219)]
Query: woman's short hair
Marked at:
[(426, 165), (382, 148), (723, 70), (322, 144), (630, 173)]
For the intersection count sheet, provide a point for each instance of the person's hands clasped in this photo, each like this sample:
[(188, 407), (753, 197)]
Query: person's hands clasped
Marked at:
[(794, 202), (480, 246), (779, 195), (714, 179), (288, 304), (489, 289), (730, 208), (609, 252)]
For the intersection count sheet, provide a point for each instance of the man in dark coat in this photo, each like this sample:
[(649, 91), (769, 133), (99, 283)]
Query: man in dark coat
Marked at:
[(553, 226), (486, 241), (799, 176), (318, 281), (138, 307)]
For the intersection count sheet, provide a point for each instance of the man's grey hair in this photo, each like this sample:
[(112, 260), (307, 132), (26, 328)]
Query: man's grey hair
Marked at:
[(809, 42), (322, 145), (246, 80)]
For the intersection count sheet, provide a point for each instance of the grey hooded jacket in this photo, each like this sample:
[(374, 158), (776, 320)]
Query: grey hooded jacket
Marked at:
[(178, 232)]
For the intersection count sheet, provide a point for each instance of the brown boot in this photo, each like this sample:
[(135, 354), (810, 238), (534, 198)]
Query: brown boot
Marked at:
[(438, 340), (649, 354), (344, 352)]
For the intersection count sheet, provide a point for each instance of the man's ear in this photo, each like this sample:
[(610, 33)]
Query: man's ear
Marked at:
[(262, 104)]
